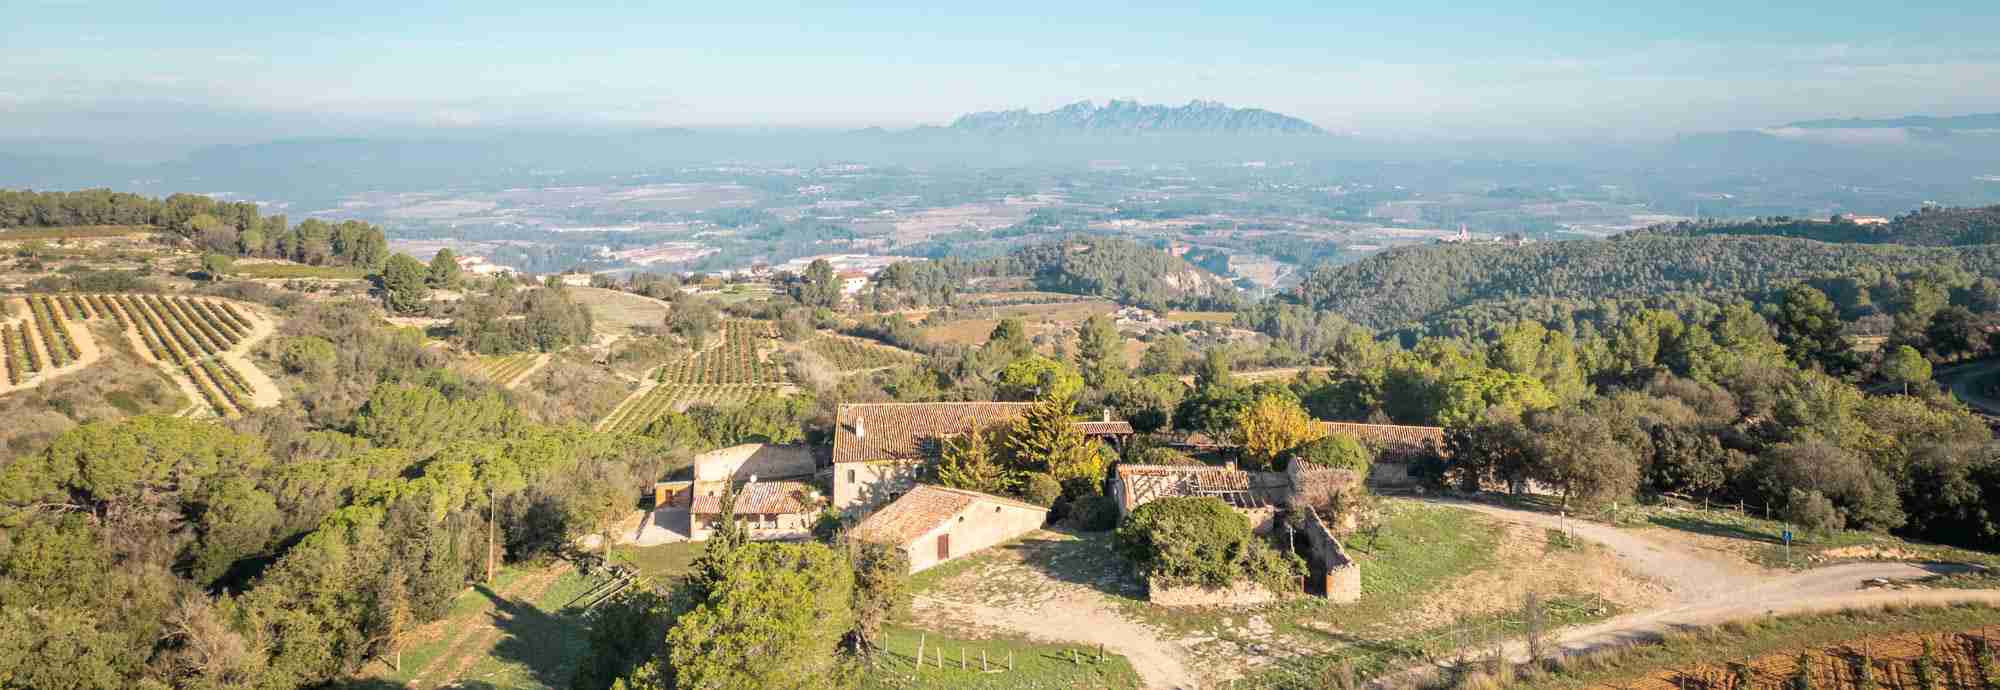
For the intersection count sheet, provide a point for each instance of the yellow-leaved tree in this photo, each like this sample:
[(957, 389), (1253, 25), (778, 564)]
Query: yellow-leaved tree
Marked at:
[(1271, 426)]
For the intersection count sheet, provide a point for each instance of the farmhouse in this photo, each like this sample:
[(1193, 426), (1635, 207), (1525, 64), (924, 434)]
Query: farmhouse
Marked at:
[(750, 461), (1395, 446), (764, 510), (880, 449), (933, 524)]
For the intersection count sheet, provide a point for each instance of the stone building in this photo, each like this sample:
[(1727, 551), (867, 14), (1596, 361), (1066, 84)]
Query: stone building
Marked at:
[(1291, 500), (934, 524), (881, 449)]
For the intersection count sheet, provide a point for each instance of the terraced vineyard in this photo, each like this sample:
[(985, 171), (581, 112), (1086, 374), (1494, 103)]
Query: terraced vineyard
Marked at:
[(644, 407), (193, 338), (504, 370), (733, 361), (848, 354), (37, 342)]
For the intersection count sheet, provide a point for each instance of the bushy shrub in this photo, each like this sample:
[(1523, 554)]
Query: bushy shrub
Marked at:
[(1093, 513), (1041, 489), (1200, 541), (1338, 451), (1814, 512)]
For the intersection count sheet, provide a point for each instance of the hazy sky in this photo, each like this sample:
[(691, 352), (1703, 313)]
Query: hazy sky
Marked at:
[(1401, 68)]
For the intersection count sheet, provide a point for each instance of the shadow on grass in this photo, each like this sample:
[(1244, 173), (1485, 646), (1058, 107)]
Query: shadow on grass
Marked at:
[(1085, 558), (1715, 529), (547, 644)]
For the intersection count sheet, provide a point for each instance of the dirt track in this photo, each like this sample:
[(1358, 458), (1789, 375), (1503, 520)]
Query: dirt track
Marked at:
[(1710, 591)]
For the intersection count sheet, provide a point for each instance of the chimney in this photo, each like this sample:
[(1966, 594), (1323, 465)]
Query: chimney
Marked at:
[(1107, 414), (859, 430)]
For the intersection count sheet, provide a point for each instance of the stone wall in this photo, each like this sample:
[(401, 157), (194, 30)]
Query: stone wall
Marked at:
[(1342, 576), (1240, 594), (762, 460)]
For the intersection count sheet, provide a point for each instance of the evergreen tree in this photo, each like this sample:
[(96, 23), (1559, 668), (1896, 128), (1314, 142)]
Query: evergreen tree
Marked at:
[(1046, 439), (1100, 353), (444, 271), (403, 284)]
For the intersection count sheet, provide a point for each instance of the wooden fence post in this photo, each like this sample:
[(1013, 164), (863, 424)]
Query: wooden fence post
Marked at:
[(982, 661), (921, 639)]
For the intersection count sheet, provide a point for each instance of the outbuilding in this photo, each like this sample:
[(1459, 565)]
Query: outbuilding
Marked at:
[(934, 524)]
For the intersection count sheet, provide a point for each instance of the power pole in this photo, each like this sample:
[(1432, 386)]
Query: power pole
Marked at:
[(492, 521)]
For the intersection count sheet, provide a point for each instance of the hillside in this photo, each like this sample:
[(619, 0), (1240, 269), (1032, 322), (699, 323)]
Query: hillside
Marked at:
[(1121, 270), (1974, 121), (1930, 226), (1411, 284), (1115, 117)]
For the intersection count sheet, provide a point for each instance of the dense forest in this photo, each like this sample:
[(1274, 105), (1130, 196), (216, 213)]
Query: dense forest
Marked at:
[(1929, 226), (235, 229), (1405, 286), (1113, 268)]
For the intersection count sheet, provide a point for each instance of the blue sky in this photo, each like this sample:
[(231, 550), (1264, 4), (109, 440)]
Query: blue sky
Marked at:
[(1413, 68)]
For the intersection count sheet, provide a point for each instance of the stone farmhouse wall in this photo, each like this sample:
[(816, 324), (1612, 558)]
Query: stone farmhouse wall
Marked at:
[(1240, 594), (762, 460)]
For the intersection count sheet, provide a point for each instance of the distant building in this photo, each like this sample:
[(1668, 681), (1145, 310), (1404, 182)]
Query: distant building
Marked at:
[(852, 282), (1860, 220), (763, 509)]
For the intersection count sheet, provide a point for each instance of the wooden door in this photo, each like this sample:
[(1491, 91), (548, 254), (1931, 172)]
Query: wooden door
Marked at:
[(944, 547)]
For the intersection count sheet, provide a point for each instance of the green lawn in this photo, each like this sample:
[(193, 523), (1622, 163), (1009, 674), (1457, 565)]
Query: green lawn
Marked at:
[(1036, 665), (531, 644), (663, 563)]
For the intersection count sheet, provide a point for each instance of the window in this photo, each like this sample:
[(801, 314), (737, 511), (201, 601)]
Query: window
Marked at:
[(850, 476)]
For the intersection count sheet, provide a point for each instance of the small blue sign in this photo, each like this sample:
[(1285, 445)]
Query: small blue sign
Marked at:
[(1788, 537)]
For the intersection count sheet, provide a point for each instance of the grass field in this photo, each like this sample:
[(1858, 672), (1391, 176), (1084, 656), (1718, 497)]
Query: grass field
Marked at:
[(1036, 665), (620, 311), (520, 633), (282, 271), (1761, 541), (75, 232), (663, 562), (1039, 319)]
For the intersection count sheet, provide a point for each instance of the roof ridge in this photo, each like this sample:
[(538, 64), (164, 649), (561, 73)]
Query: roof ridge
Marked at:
[(982, 494)]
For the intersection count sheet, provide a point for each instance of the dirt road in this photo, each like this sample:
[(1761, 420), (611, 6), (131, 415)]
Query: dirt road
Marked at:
[(1082, 617), (1709, 590)]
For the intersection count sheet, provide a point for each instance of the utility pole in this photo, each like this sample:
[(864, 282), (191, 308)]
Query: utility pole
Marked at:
[(492, 521)]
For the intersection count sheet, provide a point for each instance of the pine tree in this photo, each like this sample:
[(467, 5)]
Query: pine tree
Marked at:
[(971, 462), (1046, 439), (1100, 354)]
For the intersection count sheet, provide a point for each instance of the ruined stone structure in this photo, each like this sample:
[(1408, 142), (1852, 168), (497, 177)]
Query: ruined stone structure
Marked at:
[(1265, 499)]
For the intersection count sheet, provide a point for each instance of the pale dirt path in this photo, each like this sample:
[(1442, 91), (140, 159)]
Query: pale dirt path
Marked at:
[(1080, 616), (1708, 590), (263, 391)]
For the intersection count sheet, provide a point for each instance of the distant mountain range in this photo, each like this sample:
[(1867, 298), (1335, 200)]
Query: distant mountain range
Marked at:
[(1132, 117), (1974, 121)]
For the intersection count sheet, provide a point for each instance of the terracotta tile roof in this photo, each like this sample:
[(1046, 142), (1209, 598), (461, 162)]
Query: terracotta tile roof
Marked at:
[(1386, 434), (761, 498), (1105, 428), (903, 431), (923, 509)]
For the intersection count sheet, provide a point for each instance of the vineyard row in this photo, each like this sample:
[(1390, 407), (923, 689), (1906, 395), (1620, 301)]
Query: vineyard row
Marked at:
[(635, 414)]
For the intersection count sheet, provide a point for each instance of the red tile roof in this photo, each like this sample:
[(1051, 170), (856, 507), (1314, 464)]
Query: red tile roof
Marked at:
[(923, 509), (760, 498), (903, 431)]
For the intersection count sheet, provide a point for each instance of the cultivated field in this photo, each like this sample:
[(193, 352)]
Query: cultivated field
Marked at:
[(1039, 319), (506, 371), (199, 342), (75, 232), (854, 354), (618, 312), (734, 368)]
